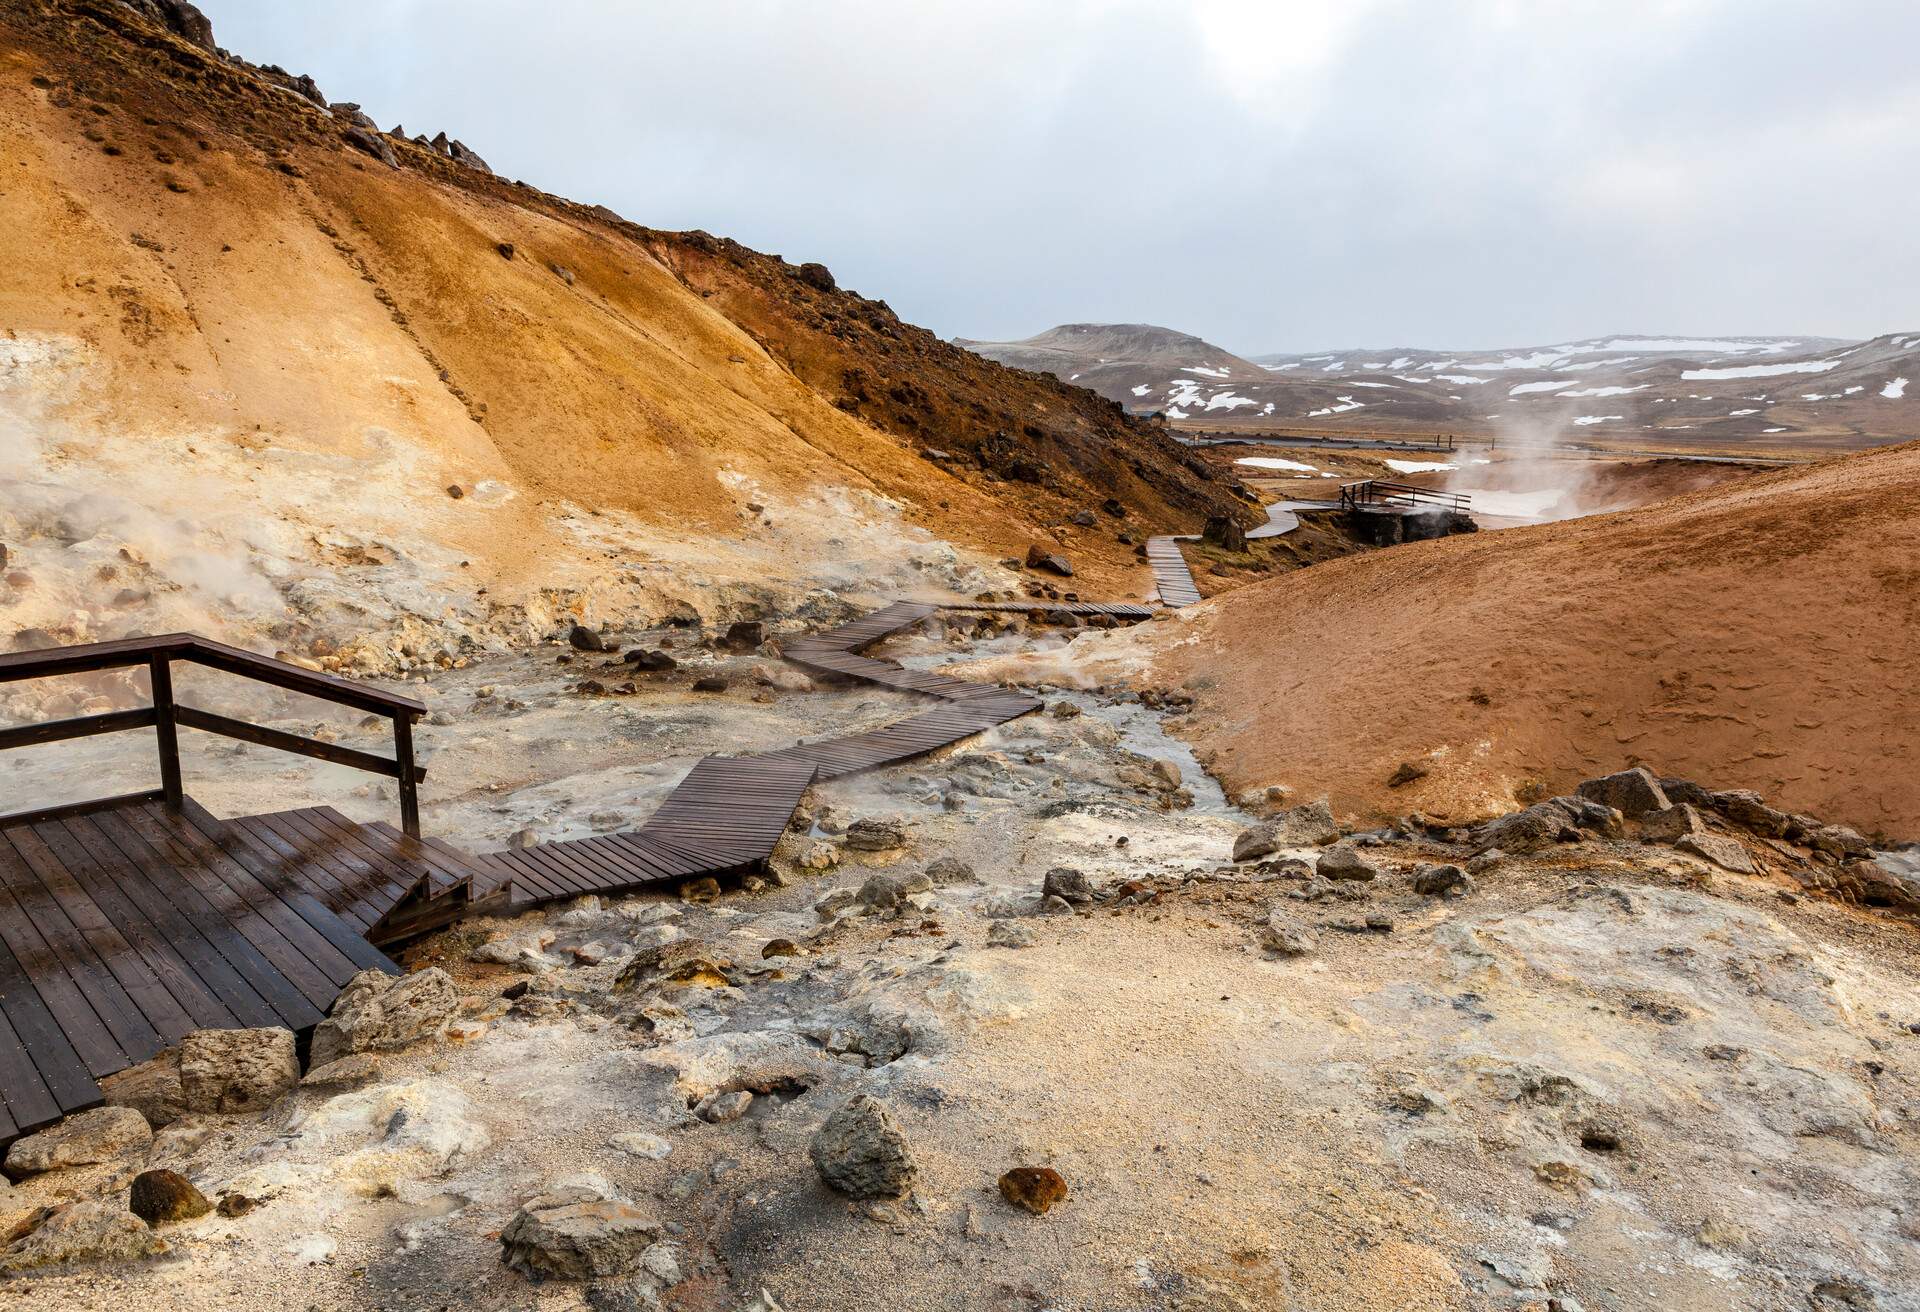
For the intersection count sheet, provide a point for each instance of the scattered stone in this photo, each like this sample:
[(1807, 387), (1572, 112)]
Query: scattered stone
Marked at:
[(638, 1143), (1633, 793), (83, 1232), (582, 638), (711, 683), (522, 840), (779, 947), (371, 143), (1486, 861), (744, 635), (1053, 562), (1670, 824), (1344, 861), (152, 1088), (682, 961), (231, 1205), (656, 661), (1166, 772), (1836, 840), (876, 834), (568, 1237), (947, 870), (719, 1108), (834, 903), (1035, 1189), (704, 889), (861, 1151), (1406, 773), (1055, 905), (1749, 810), (237, 1070), (1283, 937), (1728, 853), (159, 1197), (377, 1012), (820, 856), (1309, 825), (1067, 884), (1442, 881), (346, 1073), (1009, 934), (105, 1134)]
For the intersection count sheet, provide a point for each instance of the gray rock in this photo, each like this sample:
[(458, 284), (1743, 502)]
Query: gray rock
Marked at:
[(876, 834), (882, 893), (1485, 861), (567, 1237), (1342, 861), (237, 1070), (861, 1151), (105, 1134), (83, 1232), (835, 902), (1837, 840), (1728, 853), (1009, 934), (1671, 824), (1284, 938), (377, 1012), (1633, 793), (1067, 884), (1749, 810), (1308, 825), (1540, 825), (1442, 881), (947, 870)]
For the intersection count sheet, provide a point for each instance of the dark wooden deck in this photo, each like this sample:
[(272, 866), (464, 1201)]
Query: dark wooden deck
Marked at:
[(125, 927), (728, 812), (1170, 572), (128, 923)]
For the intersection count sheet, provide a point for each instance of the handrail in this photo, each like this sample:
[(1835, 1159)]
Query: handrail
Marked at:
[(1378, 491), (165, 715)]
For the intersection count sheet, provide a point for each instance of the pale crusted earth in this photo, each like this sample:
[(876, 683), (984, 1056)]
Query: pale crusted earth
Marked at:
[(1611, 1077)]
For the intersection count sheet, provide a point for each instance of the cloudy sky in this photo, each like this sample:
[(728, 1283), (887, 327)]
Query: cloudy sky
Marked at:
[(1270, 174)]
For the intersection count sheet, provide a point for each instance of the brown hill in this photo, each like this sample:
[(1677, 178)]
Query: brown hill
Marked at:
[(251, 343), (1758, 635)]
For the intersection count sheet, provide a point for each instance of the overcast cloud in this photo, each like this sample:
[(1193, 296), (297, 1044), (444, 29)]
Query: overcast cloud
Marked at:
[(1272, 176)]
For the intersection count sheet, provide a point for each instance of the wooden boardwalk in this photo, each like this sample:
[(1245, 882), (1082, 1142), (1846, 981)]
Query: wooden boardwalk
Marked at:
[(128, 923), (729, 812), (127, 927), (1170, 572)]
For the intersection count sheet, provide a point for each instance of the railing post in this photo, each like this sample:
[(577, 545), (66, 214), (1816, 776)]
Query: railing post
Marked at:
[(409, 787), (160, 671)]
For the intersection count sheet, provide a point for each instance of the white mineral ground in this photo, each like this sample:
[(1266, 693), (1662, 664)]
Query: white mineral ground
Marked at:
[(1393, 1122)]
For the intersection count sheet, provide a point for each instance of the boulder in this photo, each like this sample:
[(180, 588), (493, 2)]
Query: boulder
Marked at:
[(1442, 881), (1009, 934), (237, 1070), (642, 659), (347, 1073), (372, 143), (158, 1197), (105, 1134), (876, 834), (568, 1237), (1224, 531), (745, 635), (1837, 840), (861, 1151), (816, 276), (1344, 861), (1050, 561), (1633, 793), (582, 638), (152, 1088), (1066, 884), (710, 683), (682, 961), (1750, 811), (1671, 824), (1308, 825), (377, 1012), (947, 870), (1728, 853), (1540, 825), (1282, 937), (83, 1232)]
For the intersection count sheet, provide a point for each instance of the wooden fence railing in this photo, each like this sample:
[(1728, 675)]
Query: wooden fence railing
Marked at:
[(1378, 492), (166, 715)]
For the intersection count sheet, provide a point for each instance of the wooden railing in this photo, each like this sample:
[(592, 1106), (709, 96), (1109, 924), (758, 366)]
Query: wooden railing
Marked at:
[(166, 715), (1378, 492)]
